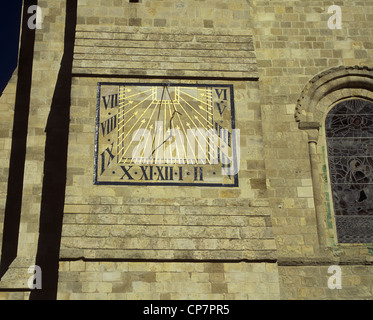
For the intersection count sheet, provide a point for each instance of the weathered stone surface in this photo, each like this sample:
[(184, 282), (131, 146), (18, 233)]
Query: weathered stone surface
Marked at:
[(273, 236)]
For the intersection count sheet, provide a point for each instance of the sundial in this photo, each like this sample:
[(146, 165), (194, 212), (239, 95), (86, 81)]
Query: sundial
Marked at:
[(166, 134)]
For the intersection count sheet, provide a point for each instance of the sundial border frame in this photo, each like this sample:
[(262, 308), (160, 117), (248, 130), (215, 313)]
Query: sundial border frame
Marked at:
[(97, 130)]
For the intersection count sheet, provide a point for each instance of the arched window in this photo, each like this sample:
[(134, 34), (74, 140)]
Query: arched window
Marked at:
[(335, 110), (349, 137)]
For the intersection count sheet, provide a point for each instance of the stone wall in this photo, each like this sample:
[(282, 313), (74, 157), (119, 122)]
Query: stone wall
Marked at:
[(164, 222), (145, 222), (294, 45), (168, 281), (311, 283), (7, 101), (273, 236), (47, 54)]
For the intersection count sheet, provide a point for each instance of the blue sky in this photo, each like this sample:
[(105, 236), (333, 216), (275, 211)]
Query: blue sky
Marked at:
[(10, 16)]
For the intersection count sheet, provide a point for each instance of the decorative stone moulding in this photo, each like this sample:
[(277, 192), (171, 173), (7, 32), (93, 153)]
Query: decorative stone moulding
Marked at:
[(330, 87), (320, 94)]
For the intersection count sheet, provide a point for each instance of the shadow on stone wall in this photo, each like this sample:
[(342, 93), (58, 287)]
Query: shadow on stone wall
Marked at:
[(55, 167), (13, 205)]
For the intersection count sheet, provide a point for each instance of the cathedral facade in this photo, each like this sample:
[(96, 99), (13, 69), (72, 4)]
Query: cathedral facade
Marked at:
[(189, 149)]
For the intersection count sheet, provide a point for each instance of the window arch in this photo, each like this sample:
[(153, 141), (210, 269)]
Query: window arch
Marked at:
[(320, 105), (349, 139)]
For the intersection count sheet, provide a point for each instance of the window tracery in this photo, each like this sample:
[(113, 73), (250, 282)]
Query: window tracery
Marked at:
[(349, 135)]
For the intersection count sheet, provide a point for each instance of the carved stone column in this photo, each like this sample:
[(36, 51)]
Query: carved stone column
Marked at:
[(312, 129), (317, 191)]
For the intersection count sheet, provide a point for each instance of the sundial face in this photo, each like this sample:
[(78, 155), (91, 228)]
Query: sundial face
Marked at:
[(166, 134)]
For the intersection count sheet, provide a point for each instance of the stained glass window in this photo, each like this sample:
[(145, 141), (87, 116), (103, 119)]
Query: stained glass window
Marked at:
[(349, 134)]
